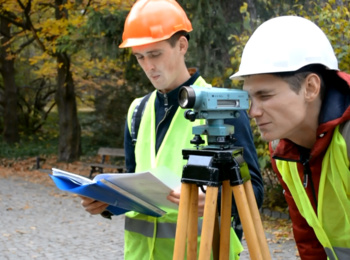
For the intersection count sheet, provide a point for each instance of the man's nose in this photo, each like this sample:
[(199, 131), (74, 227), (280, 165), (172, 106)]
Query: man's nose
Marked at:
[(254, 110), (148, 65)]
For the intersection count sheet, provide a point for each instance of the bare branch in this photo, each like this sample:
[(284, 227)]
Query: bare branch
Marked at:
[(29, 23), (47, 5), (85, 9), (11, 18), (27, 8), (22, 46)]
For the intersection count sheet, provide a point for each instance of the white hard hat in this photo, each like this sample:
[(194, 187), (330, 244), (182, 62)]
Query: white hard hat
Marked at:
[(285, 43)]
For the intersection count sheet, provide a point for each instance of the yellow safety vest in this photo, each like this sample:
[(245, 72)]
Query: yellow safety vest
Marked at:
[(332, 222), (148, 237)]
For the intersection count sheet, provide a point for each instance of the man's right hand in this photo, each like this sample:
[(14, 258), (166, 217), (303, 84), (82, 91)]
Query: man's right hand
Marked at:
[(93, 206)]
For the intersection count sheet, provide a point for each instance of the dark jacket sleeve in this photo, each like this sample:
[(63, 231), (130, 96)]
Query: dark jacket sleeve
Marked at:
[(244, 138), (129, 148)]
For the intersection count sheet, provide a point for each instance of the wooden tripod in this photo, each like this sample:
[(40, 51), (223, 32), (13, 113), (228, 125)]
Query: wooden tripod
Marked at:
[(187, 222)]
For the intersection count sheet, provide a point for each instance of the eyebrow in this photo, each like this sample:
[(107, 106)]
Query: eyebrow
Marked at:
[(148, 52), (261, 92), (264, 91)]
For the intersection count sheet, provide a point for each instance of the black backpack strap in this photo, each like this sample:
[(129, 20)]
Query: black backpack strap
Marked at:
[(136, 117)]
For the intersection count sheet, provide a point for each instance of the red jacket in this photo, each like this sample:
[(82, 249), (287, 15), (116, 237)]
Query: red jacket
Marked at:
[(334, 111)]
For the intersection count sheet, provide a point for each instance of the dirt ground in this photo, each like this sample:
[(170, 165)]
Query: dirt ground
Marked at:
[(279, 238)]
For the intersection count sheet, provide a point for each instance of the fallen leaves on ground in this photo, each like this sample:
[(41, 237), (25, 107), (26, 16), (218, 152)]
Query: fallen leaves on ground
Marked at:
[(280, 228), (26, 169)]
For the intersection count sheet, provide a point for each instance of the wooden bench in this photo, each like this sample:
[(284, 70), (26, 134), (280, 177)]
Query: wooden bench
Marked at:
[(106, 153)]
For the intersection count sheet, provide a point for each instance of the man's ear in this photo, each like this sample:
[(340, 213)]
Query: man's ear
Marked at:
[(312, 87), (183, 44)]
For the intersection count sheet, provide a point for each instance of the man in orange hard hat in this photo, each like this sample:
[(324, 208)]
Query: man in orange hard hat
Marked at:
[(157, 31)]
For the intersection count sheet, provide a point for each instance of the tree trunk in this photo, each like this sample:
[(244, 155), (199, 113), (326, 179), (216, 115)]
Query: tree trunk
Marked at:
[(69, 146), (10, 133)]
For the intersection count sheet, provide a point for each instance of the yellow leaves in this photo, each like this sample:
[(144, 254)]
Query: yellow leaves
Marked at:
[(47, 70), (113, 4), (35, 59), (244, 8), (45, 65), (217, 82), (9, 6), (76, 21), (235, 37), (9, 54), (91, 73), (334, 20), (69, 5), (51, 35), (52, 27), (95, 67)]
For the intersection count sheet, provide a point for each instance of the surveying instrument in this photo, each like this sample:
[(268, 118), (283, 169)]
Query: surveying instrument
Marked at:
[(219, 163)]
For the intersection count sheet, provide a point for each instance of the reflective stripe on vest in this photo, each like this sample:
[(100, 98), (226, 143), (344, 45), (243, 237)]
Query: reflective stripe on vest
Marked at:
[(332, 222), (341, 253), (163, 230)]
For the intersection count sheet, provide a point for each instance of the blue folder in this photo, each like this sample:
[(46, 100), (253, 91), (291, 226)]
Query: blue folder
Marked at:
[(119, 200)]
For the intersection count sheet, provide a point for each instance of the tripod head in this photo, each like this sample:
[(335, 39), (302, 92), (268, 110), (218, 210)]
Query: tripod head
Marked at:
[(218, 164), (214, 105)]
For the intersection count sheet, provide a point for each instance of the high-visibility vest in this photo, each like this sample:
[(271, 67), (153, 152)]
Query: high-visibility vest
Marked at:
[(148, 237), (332, 222)]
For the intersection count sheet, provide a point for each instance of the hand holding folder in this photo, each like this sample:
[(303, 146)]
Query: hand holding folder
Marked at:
[(141, 192)]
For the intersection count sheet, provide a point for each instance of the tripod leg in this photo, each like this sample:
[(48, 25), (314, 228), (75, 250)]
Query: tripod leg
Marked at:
[(257, 220), (247, 222), (181, 227), (216, 237), (208, 222), (226, 204), (192, 228)]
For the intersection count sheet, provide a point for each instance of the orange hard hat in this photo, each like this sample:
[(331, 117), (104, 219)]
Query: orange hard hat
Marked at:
[(152, 21)]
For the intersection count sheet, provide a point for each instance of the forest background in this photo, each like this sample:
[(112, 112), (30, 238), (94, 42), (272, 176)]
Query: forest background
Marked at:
[(65, 86)]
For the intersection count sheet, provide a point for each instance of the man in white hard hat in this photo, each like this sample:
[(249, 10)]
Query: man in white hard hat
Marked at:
[(300, 101)]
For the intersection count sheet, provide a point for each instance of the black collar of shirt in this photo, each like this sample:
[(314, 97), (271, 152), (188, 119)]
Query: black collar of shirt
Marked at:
[(173, 95)]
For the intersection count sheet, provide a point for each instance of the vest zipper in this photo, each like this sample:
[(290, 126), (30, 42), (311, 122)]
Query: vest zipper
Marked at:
[(307, 173), (166, 103)]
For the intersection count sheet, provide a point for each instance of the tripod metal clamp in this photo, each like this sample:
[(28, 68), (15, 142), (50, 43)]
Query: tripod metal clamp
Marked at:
[(239, 173)]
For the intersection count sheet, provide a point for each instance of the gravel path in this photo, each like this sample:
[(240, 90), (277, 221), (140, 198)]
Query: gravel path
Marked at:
[(41, 222)]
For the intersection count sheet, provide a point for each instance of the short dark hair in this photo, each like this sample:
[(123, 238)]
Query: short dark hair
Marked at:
[(296, 78), (176, 36)]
